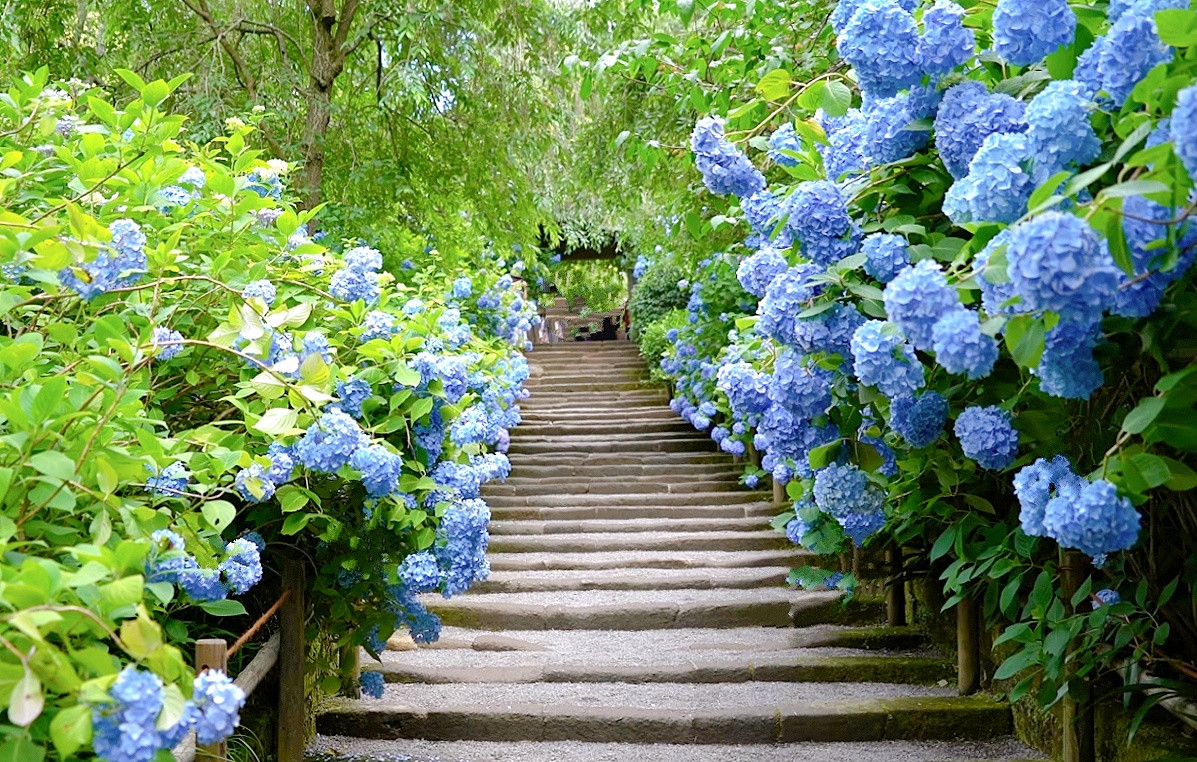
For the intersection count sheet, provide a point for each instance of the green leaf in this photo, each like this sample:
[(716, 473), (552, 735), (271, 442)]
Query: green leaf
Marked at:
[(26, 701), (1152, 468), (223, 608), (1145, 412), (295, 523), (1177, 27), (775, 85), (1181, 477), (837, 98), (277, 421), (218, 513), (1017, 663), (132, 79), (21, 748), (55, 464), (1025, 338), (70, 730), (155, 92), (102, 109)]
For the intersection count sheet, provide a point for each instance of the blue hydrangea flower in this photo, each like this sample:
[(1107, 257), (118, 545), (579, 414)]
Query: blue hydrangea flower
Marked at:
[(1147, 229), (784, 139), (167, 343), (725, 168), (801, 387), (889, 458), (1106, 597), (968, 114), (987, 436), (413, 307), (829, 332), (351, 394), (995, 297), (795, 529), (884, 360), (253, 485), (282, 463), (961, 347), (843, 489), (747, 389), (888, 120), (917, 298), (998, 184), (1184, 129), (218, 704), (372, 684), (861, 526), (1132, 48), (380, 469), (316, 343), (120, 264), (330, 442), (171, 480), (202, 584), (817, 215), (919, 419), (1060, 131), (1027, 31), (350, 285), (193, 176), (784, 299), (887, 255), (242, 567), (1067, 368), (756, 272), (1058, 262), (1093, 519), (847, 147), (881, 41), (378, 325), (126, 730), (363, 259), (420, 572), (845, 9), (262, 289), (946, 42), (463, 287), (1037, 484)]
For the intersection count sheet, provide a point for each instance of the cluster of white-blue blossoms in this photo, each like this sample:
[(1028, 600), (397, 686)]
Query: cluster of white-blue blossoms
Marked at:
[(239, 569), (998, 148)]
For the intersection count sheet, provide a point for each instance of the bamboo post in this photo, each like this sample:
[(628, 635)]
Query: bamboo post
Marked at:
[(212, 654), (292, 703), (1076, 712), (895, 598), (968, 647)]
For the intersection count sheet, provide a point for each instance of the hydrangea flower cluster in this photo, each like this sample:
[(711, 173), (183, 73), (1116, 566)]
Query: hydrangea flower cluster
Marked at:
[(882, 358), (758, 271), (919, 419), (987, 436), (725, 169), (782, 140), (358, 279), (118, 265), (1027, 31), (887, 255), (917, 298), (817, 215), (167, 343), (961, 347), (1058, 262), (968, 114)]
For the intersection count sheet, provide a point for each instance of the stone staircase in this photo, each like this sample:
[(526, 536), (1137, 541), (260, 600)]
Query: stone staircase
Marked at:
[(637, 611)]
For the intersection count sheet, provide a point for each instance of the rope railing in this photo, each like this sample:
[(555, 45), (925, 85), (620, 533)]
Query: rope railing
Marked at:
[(285, 650)]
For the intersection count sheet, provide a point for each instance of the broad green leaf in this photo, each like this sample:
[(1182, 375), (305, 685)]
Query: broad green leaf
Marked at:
[(775, 85), (218, 513), (26, 701), (1145, 412), (277, 421), (70, 730)]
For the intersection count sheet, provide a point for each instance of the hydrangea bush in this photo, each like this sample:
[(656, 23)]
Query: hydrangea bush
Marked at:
[(192, 385), (965, 310)]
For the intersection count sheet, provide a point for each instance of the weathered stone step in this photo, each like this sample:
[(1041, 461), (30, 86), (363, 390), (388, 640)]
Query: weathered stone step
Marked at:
[(566, 373), (593, 386), (632, 609), (721, 497), (602, 428), (573, 485), (761, 511), (633, 438), (343, 749), (689, 444), (691, 714), (585, 399), (628, 579), (625, 526), (594, 543), (652, 469), (771, 668), (650, 559), (566, 459)]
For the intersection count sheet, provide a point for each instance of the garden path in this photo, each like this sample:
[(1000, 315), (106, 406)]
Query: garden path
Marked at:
[(636, 611)]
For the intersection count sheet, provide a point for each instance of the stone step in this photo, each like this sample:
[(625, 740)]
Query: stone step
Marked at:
[(628, 579), (634, 438), (547, 375), (651, 470), (603, 428), (761, 511), (344, 749), (595, 404), (668, 713), (566, 459), (624, 526), (635, 609), (722, 497), (595, 543), (690, 444), (596, 385), (650, 559), (571, 485)]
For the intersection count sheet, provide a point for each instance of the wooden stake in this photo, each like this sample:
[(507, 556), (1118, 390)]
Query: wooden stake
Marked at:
[(292, 702), (968, 647), (1076, 714), (895, 598), (779, 493), (212, 654)]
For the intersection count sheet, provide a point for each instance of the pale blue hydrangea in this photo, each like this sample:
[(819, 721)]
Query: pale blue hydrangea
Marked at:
[(282, 463), (817, 214), (881, 41), (887, 255), (800, 386), (1027, 31), (1094, 520), (844, 10), (363, 259), (330, 442), (1132, 48), (350, 285), (218, 703), (119, 264), (961, 347), (843, 489), (643, 262), (1148, 235), (1184, 129), (830, 331), (847, 147), (795, 529), (253, 485), (918, 297), (380, 469), (242, 567), (171, 480), (747, 388), (968, 114), (463, 287), (919, 419), (887, 128), (1037, 484), (1106, 597), (987, 436), (995, 297), (125, 730), (351, 394), (378, 325), (725, 168), (860, 526), (193, 176), (1061, 134), (998, 183), (261, 289), (784, 139), (1058, 262), (1067, 367), (882, 358), (786, 296), (202, 584), (946, 42), (315, 343), (166, 343), (420, 572), (756, 272)]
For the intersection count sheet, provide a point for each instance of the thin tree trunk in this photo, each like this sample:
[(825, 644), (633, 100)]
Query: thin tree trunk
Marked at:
[(329, 33)]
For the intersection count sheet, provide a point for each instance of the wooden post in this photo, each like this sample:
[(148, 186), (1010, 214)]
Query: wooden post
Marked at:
[(212, 654), (292, 701), (779, 493), (895, 598), (968, 647), (1076, 713), (351, 672)]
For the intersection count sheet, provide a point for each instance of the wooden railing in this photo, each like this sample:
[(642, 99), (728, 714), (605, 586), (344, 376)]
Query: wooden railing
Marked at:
[(285, 649)]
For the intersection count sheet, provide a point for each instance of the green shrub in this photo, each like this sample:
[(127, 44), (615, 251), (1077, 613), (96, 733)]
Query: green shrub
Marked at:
[(656, 294), (652, 339)]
